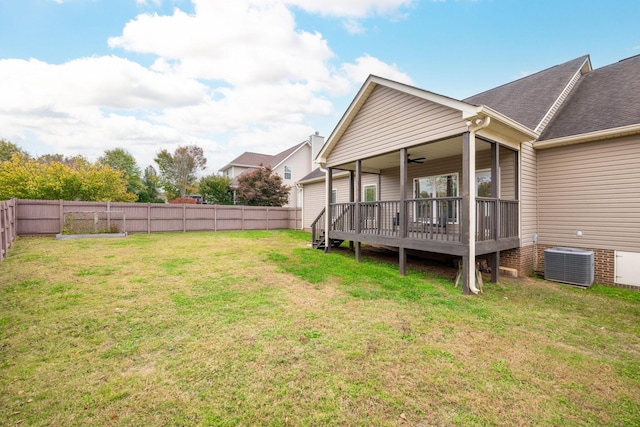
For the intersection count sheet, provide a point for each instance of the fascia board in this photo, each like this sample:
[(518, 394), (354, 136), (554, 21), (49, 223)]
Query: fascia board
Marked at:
[(587, 137)]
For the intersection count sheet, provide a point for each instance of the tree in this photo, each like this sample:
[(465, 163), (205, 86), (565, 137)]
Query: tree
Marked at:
[(121, 160), (30, 179), (149, 192), (178, 170), (215, 189), (8, 149), (261, 187)]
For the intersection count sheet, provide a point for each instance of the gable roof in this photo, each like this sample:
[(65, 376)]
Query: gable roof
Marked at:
[(466, 109), (529, 99), (605, 98), (249, 159)]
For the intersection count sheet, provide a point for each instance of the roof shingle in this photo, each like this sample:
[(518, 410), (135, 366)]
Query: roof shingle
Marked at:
[(605, 98), (528, 99)]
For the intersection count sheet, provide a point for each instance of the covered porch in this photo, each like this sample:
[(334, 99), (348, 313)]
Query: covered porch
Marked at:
[(447, 176), (436, 197)]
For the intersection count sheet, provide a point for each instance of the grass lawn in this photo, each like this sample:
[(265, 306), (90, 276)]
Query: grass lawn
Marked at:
[(256, 328)]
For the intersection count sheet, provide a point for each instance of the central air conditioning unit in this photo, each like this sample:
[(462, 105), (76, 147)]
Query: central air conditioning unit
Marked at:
[(569, 265)]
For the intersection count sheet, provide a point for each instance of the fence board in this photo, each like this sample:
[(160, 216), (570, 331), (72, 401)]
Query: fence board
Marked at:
[(44, 217), (8, 226)]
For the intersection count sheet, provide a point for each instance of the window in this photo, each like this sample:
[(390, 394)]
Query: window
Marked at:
[(435, 187), (287, 172), (483, 183), (369, 194)]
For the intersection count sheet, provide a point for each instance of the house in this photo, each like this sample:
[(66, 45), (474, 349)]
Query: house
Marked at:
[(291, 165), (552, 159)]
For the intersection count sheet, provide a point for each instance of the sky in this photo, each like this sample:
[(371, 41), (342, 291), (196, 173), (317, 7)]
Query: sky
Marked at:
[(85, 76)]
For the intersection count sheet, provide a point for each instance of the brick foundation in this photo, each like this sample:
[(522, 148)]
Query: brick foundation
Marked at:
[(519, 258)]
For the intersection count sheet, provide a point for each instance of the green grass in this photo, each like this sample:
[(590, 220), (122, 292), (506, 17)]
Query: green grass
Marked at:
[(256, 328)]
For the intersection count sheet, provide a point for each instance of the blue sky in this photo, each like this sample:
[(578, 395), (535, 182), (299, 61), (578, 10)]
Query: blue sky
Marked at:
[(83, 76)]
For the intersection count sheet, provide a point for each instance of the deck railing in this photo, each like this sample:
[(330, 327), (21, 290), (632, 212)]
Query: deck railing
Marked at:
[(317, 227), (434, 218), (427, 219)]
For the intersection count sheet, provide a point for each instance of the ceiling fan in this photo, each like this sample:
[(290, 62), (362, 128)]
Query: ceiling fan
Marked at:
[(416, 160)]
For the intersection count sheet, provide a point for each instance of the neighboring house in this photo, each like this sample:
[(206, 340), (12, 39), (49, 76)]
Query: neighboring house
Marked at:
[(290, 164), (552, 159)]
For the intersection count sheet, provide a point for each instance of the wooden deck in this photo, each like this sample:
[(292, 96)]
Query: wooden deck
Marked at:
[(431, 225)]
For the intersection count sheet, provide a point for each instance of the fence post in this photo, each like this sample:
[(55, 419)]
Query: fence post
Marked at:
[(61, 213), (148, 218), (184, 218), (215, 217), (242, 217), (109, 216), (3, 232), (267, 218)]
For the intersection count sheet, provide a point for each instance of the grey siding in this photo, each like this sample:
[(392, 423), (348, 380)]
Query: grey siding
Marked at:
[(593, 188), (389, 120), (528, 194)]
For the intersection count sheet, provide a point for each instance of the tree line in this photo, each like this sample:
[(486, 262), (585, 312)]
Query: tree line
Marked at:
[(116, 177)]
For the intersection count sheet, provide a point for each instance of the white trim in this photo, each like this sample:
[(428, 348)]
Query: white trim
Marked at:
[(375, 185), (588, 137)]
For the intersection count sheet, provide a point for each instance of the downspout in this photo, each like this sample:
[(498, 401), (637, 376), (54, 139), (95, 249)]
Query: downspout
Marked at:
[(301, 202), (327, 203), (474, 126)]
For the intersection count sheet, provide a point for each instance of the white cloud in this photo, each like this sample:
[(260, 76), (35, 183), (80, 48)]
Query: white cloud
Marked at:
[(232, 76), (353, 26), (352, 8), (365, 65)]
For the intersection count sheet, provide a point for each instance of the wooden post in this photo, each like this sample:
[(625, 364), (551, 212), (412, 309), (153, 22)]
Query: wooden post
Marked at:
[(495, 193), (184, 218), (215, 217), (328, 211), (351, 218), (148, 218), (358, 194), (267, 218), (61, 213), (403, 210), (468, 211)]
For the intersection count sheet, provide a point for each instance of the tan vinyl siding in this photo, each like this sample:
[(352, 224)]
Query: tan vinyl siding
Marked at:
[(453, 164), (593, 188), (300, 163), (314, 195), (390, 120), (528, 194), (507, 174)]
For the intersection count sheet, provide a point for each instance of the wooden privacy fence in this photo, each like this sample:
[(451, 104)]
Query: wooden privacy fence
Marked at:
[(8, 229), (46, 217)]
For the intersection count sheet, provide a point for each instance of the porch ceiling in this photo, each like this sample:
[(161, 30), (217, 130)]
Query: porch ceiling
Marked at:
[(431, 151)]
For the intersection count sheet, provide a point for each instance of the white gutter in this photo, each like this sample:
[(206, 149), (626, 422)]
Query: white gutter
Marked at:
[(587, 137), (327, 204), (474, 126)]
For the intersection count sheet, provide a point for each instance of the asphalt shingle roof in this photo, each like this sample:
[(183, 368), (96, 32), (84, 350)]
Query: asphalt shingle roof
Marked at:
[(528, 99), (251, 159), (605, 98)]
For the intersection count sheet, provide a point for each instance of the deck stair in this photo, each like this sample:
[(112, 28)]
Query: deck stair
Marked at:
[(318, 233)]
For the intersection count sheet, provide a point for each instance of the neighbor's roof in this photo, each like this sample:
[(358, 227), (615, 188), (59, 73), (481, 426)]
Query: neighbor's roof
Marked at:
[(319, 175), (254, 160), (605, 98), (528, 100)]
